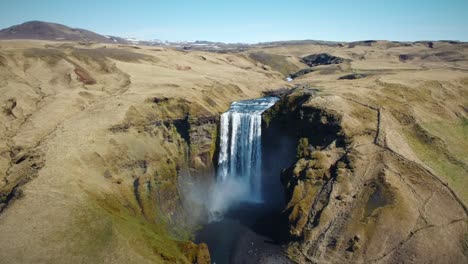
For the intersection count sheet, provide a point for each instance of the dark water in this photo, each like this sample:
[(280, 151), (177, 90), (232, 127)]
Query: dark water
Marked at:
[(249, 233), (255, 232)]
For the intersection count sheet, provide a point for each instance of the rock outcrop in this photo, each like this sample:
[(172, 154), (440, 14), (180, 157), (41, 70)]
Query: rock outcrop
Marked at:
[(348, 191), (97, 141), (353, 76), (301, 72), (322, 59)]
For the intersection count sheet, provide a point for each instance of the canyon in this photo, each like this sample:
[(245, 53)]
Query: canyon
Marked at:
[(109, 153)]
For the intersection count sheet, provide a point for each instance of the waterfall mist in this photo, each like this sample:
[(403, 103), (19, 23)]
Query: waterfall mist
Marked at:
[(243, 204), (239, 175)]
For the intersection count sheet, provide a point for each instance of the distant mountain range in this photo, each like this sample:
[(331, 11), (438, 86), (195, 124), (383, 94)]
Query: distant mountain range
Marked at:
[(40, 30)]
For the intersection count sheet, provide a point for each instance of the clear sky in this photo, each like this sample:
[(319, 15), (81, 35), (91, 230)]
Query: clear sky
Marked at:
[(251, 20)]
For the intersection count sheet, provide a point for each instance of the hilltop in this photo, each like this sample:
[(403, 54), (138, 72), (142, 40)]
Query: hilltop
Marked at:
[(52, 31)]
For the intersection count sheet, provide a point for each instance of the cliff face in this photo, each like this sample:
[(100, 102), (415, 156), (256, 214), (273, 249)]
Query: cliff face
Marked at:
[(352, 198), (95, 141), (98, 142), (187, 139)]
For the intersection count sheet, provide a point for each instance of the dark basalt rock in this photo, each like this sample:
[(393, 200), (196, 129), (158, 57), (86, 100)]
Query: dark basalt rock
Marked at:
[(322, 59), (404, 57), (301, 72), (280, 92), (7, 198), (353, 76)]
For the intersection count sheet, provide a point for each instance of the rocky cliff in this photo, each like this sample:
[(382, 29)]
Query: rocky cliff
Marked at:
[(99, 141), (348, 190), (95, 141)]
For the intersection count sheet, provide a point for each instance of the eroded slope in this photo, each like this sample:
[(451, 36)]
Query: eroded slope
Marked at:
[(352, 198), (93, 140)]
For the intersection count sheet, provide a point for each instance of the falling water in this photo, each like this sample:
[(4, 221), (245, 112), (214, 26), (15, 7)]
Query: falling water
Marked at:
[(240, 157)]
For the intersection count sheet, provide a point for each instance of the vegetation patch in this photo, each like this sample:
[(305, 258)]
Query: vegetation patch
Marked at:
[(276, 62), (454, 134), (151, 239), (453, 172)]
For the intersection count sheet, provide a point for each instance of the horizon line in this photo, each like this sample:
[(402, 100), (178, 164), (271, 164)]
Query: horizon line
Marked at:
[(239, 42)]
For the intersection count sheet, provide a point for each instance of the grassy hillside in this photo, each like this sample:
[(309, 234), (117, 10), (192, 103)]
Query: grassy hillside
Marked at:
[(95, 139), (93, 143)]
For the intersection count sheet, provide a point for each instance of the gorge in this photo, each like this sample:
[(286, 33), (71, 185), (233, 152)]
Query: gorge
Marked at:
[(315, 215), (114, 154), (243, 196)]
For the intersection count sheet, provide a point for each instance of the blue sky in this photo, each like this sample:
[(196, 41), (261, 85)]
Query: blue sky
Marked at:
[(251, 20)]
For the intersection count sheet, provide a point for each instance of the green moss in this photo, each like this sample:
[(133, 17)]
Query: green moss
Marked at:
[(270, 114), (303, 148), (454, 135), (267, 119), (140, 215), (213, 145), (453, 172), (92, 233), (150, 239)]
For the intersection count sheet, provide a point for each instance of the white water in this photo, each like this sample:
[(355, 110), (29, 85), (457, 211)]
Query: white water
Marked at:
[(240, 157)]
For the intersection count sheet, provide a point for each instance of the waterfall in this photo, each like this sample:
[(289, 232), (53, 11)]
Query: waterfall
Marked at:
[(239, 172)]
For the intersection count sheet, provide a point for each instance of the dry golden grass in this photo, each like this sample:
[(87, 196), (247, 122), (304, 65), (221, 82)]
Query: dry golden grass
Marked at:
[(90, 134), (67, 98), (429, 90)]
